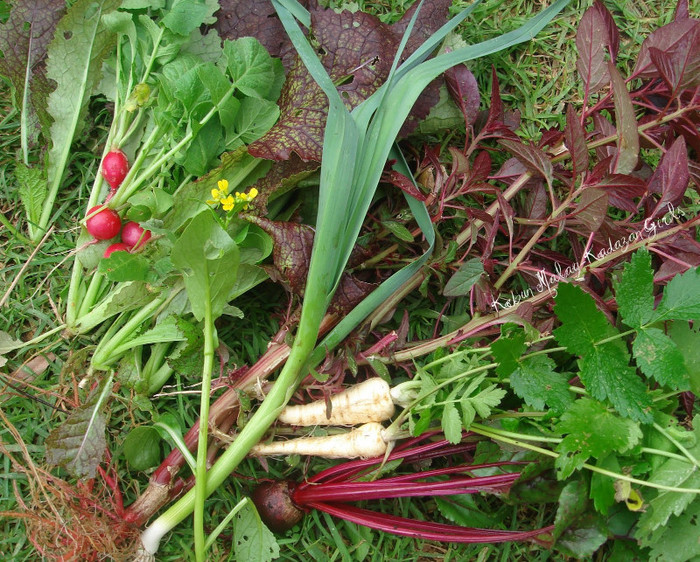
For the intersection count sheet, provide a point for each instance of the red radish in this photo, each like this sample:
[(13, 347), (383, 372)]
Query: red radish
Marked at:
[(134, 236), (103, 223), (118, 247), (114, 168)]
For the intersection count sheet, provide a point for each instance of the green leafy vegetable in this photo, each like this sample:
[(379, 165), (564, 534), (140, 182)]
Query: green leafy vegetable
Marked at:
[(592, 431), (464, 279), (78, 444), (252, 540)]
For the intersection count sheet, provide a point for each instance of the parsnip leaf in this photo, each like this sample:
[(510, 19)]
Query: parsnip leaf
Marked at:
[(634, 292)]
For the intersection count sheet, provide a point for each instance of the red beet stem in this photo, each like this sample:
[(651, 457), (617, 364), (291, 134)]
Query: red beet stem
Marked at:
[(387, 488), (427, 530)]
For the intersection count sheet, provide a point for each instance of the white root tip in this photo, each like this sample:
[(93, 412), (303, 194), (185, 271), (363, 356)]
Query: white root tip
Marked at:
[(368, 401), (364, 442), (150, 541)]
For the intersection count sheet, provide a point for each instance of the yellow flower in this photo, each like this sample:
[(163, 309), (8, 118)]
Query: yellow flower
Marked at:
[(228, 203), (220, 194)]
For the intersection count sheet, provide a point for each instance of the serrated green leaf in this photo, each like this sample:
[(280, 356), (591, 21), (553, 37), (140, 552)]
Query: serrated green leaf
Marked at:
[(451, 423), (592, 431), (681, 298), (208, 259), (658, 357), (676, 473), (604, 368), (679, 541), (32, 190), (602, 486), (687, 340), (536, 381), (252, 540), (464, 278), (79, 443), (506, 352), (634, 292)]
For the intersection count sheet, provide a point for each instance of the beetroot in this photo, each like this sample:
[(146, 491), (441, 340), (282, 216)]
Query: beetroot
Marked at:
[(118, 247), (114, 168), (134, 236), (103, 223)]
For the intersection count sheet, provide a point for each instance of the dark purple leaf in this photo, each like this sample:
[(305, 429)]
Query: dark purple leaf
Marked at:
[(534, 159), (591, 40), (495, 117), (622, 190), (575, 141), (291, 254), (611, 31), (626, 121), (24, 39), (255, 18), (679, 40), (671, 177), (357, 52), (404, 184), (464, 89), (592, 208), (682, 11), (680, 65)]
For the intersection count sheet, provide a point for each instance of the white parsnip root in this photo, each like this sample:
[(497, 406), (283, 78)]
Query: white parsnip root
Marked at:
[(365, 441), (368, 401)]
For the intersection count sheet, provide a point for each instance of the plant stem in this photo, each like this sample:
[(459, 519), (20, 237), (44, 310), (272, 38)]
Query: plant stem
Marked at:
[(688, 455), (200, 487), (496, 435)]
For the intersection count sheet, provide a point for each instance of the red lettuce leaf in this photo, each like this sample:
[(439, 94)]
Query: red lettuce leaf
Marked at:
[(24, 39), (357, 52)]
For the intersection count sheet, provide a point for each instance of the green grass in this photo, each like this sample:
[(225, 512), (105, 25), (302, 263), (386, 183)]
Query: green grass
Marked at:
[(538, 79)]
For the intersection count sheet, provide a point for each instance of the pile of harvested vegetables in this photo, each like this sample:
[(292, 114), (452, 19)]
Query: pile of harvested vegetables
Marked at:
[(454, 324)]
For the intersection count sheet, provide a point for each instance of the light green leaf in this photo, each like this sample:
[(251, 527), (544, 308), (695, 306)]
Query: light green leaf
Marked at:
[(398, 230), (687, 340), (250, 66), (208, 259), (464, 279), (168, 330), (75, 57), (451, 423), (634, 292), (537, 382), (184, 16), (125, 266), (658, 357), (32, 191), (254, 119), (679, 541), (252, 540), (681, 298)]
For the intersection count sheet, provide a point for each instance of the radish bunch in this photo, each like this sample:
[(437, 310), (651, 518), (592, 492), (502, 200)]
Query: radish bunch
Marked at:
[(104, 223)]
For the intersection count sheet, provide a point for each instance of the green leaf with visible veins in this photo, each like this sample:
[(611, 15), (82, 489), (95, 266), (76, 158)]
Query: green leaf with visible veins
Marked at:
[(604, 367), (32, 191), (687, 340), (75, 58), (537, 382), (592, 431), (251, 67), (658, 356), (79, 443), (681, 298), (679, 541), (677, 473), (634, 292), (208, 258), (252, 540)]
